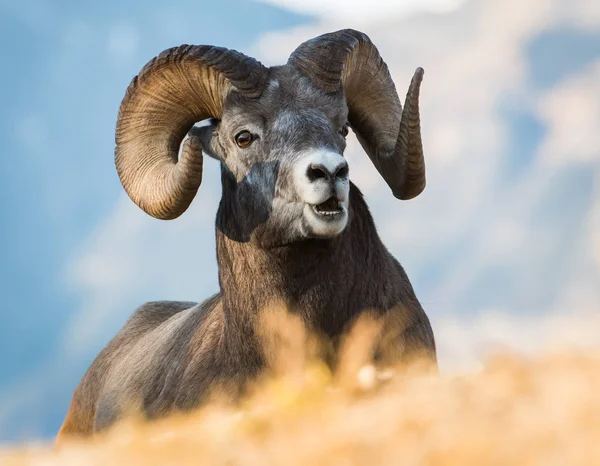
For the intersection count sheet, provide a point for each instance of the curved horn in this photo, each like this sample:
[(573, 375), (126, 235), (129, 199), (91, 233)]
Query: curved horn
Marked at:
[(391, 137), (174, 90)]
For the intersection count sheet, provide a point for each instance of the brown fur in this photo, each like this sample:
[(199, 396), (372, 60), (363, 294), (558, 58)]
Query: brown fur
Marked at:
[(274, 244), (169, 355)]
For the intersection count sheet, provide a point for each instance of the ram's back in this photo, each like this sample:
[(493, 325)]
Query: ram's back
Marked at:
[(81, 416)]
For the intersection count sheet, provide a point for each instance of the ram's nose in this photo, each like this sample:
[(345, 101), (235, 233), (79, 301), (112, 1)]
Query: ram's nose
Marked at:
[(321, 174), (324, 165), (329, 172)]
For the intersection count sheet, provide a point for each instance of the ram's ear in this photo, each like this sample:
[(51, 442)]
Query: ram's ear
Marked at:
[(205, 132)]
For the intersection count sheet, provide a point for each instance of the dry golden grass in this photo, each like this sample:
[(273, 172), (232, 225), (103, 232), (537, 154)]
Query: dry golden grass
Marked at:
[(513, 412)]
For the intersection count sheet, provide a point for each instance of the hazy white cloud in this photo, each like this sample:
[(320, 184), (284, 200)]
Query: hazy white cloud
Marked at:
[(132, 258), (594, 236), (465, 342), (358, 11), (572, 115)]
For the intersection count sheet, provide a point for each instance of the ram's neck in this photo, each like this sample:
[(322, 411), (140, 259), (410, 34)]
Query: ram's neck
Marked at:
[(326, 281)]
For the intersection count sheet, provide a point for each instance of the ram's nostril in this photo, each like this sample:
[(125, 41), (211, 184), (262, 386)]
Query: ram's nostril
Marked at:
[(342, 171), (316, 171)]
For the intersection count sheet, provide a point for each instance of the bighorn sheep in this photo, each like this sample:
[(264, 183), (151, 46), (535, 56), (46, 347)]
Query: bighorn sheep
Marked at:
[(290, 224)]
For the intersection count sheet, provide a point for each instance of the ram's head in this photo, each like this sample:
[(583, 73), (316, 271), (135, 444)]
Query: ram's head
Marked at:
[(278, 132)]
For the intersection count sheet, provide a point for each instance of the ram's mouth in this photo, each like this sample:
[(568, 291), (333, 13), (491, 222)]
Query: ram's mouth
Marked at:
[(330, 207)]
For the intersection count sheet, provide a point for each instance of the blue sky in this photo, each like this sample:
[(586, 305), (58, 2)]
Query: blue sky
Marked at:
[(507, 224)]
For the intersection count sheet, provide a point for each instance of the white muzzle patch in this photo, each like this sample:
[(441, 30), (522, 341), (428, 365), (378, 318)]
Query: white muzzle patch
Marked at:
[(322, 183)]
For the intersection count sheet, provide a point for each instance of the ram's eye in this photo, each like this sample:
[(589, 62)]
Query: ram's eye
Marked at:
[(345, 129), (244, 139)]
